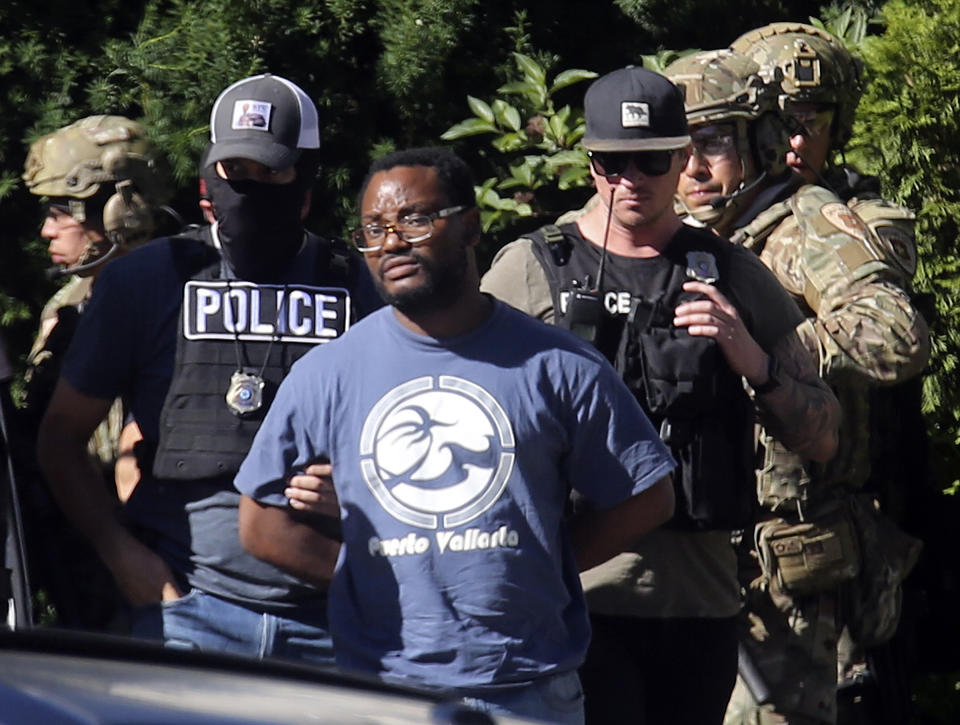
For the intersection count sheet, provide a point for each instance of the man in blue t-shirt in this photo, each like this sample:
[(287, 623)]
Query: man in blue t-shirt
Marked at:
[(195, 332), (456, 427)]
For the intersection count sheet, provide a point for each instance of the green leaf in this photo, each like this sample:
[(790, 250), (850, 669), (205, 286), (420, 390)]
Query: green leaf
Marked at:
[(576, 134), (531, 69), (569, 77), (574, 177), (505, 204), (489, 197), (568, 158), (512, 117), (488, 219), (479, 191), (470, 127), (558, 129), (480, 109), (522, 173), (510, 142), (506, 114), (520, 88)]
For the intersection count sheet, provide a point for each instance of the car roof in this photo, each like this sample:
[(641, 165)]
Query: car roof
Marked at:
[(58, 676)]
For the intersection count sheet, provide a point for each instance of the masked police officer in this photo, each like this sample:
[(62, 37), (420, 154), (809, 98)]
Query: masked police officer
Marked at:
[(195, 332), (686, 317), (815, 537)]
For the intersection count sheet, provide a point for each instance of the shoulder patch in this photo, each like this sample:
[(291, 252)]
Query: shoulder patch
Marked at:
[(845, 219), (893, 226), (901, 245)]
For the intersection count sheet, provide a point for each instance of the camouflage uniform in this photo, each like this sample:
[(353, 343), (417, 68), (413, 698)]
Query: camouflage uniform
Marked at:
[(43, 367), (864, 331), (813, 553), (102, 170)]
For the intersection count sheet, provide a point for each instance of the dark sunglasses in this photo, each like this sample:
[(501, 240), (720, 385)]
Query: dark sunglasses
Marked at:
[(615, 163), (811, 123)]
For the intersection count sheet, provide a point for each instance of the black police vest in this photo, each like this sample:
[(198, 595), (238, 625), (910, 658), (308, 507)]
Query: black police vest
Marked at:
[(682, 381), (231, 325)]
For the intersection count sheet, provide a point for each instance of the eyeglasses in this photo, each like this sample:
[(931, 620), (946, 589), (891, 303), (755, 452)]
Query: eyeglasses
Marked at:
[(615, 163), (812, 122), (63, 215), (412, 228), (714, 146)]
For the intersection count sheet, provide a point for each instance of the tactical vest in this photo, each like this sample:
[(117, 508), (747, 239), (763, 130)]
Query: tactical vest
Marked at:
[(786, 479), (226, 325), (683, 382)]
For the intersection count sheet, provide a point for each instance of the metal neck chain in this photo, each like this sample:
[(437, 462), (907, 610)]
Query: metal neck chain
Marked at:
[(236, 335)]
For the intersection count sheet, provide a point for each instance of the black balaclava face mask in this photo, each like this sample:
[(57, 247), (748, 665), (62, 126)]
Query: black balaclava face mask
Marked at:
[(258, 224)]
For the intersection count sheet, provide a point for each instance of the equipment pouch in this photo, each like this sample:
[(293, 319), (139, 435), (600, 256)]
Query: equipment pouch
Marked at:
[(809, 557), (782, 478)]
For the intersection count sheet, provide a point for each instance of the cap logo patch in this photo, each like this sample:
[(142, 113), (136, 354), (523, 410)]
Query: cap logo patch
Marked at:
[(634, 114), (251, 114)]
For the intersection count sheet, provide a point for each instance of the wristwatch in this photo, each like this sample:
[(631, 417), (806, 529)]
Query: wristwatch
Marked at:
[(773, 377)]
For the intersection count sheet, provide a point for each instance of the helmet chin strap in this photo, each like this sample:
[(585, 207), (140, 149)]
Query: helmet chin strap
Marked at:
[(726, 205), (724, 201), (705, 214), (60, 272)]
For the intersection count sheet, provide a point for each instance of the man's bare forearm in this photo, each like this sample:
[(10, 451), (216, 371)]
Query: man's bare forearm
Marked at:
[(294, 542), (600, 535), (802, 412), (85, 498)]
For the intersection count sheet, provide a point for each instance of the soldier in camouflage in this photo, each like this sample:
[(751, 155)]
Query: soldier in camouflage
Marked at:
[(815, 562), (820, 84), (100, 184), (99, 181)]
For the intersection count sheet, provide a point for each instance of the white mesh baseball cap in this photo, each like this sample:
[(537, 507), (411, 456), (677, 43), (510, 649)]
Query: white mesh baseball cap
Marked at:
[(265, 118)]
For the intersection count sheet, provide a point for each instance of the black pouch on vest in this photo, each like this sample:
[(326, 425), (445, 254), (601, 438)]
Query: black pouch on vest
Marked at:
[(703, 413)]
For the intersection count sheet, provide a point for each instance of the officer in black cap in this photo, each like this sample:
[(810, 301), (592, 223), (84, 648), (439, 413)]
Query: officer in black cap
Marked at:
[(195, 332), (686, 317)]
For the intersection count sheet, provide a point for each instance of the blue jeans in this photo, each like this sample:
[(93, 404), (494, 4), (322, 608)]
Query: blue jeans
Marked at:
[(554, 699), (202, 621)]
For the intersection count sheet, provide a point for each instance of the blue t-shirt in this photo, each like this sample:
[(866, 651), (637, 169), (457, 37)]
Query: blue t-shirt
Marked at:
[(125, 347), (452, 460)]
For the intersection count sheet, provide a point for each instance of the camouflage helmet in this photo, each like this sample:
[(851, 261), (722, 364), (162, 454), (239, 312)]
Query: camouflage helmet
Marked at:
[(107, 171), (811, 66), (723, 86), (719, 85)]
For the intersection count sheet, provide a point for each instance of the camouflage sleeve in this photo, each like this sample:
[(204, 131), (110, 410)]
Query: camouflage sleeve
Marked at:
[(517, 278), (802, 412), (870, 329), (863, 321), (72, 294)]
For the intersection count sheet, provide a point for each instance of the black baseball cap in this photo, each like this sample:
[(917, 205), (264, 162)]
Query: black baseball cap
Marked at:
[(265, 118), (634, 109)]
